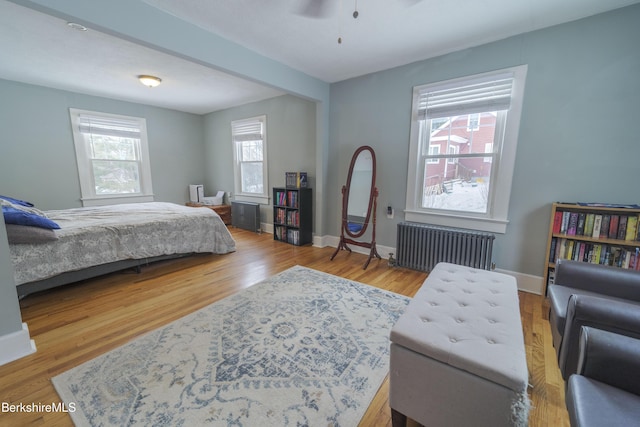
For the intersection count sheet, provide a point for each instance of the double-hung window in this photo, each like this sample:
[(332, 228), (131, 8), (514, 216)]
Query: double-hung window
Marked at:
[(113, 157), (464, 134), (250, 159)]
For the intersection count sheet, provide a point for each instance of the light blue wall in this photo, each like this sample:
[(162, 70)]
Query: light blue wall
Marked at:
[(37, 155), (291, 147), (141, 23), (577, 138), (136, 21)]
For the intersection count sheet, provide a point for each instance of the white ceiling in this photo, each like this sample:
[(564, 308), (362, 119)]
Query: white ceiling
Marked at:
[(40, 49)]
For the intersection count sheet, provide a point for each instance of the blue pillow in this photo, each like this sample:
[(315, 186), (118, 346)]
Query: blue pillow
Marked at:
[(354, 227), (18, 217), (16, 201)]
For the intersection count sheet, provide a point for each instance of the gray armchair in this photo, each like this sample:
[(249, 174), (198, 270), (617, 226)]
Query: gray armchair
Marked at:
[(587, 294), (606, 389)]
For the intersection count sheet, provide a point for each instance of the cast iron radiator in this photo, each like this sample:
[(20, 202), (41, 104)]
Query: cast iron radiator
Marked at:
[(422, 246), (246, 215)]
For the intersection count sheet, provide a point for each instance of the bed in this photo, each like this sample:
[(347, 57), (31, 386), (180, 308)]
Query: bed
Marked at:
[(97, 240)]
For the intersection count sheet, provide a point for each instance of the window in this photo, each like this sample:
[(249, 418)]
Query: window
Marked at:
[(474, 122), (250, 159), (434, 150), (113, 158)]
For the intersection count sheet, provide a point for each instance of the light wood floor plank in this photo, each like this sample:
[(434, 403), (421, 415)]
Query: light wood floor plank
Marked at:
[(76, 323)]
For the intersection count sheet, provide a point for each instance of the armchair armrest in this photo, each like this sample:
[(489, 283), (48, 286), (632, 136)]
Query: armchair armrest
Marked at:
[(601, 279), (601, 313), (610, 358)]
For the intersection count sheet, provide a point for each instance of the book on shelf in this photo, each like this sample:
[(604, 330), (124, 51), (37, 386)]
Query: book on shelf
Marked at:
[(632, 228), (613, 226), (570, 246), (597, 223), (562, 248), (557, 222), (595, 257), (292, 199), (280, 233), (572, 226), (293, 218), (588, 224), (581, 220), (552, 250), (296, 179), (280, 215), (564, 226), (622, 227), (604, 228), (293, 236), (583, 247), (281, 198)]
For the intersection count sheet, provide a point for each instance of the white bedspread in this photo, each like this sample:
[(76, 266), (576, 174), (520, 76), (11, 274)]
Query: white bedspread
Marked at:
[(100, 235)]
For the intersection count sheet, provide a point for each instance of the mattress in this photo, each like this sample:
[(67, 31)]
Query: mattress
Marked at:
[(94, 236)]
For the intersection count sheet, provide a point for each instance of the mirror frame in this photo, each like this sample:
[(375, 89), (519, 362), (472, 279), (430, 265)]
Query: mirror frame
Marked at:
[(347, 191)]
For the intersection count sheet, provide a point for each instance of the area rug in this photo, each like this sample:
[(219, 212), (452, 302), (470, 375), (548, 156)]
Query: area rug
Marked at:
[(302, 348)]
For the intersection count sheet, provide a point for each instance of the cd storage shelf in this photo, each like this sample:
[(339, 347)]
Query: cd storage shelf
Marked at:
[(292, 215), (596, 233)]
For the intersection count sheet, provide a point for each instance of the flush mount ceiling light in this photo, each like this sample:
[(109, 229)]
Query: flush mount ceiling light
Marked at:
[(76, 26), (150, 81)]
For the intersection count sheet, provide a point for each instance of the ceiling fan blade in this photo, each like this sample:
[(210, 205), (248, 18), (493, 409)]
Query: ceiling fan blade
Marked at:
[(313, 8)]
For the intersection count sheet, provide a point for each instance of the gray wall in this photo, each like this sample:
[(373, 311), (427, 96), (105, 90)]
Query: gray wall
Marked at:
[(291, 129), (577, 138), (37, 155)]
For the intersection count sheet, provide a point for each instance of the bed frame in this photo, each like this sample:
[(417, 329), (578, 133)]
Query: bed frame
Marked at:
[(89, 273)]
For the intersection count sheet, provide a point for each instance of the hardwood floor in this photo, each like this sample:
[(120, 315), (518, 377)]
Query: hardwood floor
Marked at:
[(76, 323)]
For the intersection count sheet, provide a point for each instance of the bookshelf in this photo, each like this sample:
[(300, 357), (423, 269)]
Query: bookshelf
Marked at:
[(292, 215), (597, 233)]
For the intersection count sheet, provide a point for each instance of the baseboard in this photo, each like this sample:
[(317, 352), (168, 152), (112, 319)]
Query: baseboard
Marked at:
[(15, 345), (526, 282), (333, 241)]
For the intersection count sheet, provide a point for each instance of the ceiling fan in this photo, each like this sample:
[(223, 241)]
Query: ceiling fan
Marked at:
[(319, 9), (322, 8)]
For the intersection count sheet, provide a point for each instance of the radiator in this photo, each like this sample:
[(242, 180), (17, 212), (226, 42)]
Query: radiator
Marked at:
[(422, 246), (246, 215)]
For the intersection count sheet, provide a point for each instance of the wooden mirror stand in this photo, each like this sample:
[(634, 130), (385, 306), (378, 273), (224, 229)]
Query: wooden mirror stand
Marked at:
[(359, 203)]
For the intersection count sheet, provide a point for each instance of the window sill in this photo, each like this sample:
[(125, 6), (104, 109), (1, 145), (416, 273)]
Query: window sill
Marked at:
[(116, 200), (491, 225)]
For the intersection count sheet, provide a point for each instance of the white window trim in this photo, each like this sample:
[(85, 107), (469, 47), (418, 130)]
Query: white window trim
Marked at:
[(87, 187), (251, 197), (496, 220)]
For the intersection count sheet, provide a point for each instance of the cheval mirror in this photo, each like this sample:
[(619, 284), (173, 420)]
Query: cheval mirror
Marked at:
[(359, 202)]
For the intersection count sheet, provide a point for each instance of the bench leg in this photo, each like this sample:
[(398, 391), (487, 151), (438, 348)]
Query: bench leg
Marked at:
[(398, 419)]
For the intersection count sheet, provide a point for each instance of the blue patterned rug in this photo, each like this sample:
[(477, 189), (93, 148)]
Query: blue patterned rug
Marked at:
[(302, 348)]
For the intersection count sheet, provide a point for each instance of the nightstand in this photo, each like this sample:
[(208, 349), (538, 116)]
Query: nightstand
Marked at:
[(223, 210)]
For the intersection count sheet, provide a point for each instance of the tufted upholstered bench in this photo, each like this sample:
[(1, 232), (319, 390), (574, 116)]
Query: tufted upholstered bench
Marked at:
[(457, 353)]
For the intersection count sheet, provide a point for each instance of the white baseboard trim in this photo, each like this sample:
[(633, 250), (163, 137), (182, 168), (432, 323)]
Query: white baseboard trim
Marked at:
[(15, 345), (333, 241), (526, 282)]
